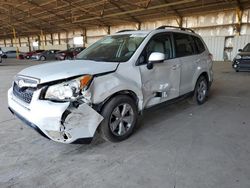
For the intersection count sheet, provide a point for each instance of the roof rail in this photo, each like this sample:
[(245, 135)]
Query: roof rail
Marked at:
[(125, 30), (174, 27)]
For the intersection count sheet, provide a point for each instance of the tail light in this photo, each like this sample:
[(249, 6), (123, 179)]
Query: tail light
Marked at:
[(211, 56)]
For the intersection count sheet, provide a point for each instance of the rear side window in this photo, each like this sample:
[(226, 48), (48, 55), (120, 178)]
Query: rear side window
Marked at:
[(199, 44), (183, 45)]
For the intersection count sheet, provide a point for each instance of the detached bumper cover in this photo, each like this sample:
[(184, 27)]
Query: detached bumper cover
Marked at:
[(60, 122)]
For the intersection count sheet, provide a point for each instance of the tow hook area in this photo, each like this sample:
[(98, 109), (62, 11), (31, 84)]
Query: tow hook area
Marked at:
[(79, 122)]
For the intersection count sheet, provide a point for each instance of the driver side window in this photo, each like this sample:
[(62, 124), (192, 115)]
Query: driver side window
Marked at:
[(158, 43)]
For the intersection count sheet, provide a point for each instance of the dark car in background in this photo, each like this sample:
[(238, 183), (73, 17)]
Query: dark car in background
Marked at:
[(69, 54), (28, 55), (242, 60), (45, 55)]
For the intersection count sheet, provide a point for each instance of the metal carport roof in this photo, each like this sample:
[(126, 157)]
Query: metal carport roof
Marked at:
[(29, 17)]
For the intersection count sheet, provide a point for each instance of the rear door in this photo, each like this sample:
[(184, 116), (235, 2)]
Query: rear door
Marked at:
[(185, 53), (162, 82)]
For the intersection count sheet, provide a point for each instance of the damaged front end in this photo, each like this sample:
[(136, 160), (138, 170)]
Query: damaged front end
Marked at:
[(62, 112), (78, 125)]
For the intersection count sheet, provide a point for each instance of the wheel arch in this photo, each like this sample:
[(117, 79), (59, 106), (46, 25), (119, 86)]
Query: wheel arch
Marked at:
[(203, 73), (130, 93)]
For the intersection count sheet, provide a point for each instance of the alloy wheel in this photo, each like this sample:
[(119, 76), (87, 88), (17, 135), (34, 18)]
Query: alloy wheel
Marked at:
[(202, 90), (121, 119)]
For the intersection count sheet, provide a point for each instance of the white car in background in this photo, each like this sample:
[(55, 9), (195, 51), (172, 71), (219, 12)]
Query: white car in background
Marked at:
[(111, 83)]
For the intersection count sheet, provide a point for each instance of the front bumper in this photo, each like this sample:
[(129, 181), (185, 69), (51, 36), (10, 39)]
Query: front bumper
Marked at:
[(241, 64), (61, 122)]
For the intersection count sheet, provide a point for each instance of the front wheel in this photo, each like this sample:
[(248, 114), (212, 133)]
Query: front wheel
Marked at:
[(0, 59), (120, 118), (201, 90)]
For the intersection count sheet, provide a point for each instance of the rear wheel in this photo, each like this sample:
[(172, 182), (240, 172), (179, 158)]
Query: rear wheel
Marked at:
[(201, 90), (42, 58), (120, 118)]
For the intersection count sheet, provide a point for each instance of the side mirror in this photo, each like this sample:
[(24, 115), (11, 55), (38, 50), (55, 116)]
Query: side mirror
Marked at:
[(240, 50), (155, 57)]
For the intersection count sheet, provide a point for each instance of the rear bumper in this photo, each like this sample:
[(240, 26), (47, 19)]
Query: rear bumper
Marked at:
[(60, 122)]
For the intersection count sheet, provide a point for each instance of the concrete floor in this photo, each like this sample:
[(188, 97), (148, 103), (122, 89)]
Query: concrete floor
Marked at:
[(177, 146)]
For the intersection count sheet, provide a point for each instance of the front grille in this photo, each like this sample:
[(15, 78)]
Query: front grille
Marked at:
[(25, 94)]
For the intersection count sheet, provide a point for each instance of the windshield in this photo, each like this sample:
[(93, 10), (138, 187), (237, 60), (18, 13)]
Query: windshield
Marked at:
[(117, 48), (246, 48)]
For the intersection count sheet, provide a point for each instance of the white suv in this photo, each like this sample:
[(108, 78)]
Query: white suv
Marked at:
[(110, 83)]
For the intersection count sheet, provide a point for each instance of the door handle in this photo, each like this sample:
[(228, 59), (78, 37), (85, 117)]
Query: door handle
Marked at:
[(198, 60), (174, 67)]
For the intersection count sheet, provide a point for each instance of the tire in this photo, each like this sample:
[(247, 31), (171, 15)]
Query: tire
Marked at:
[(0, 59), (120, 118), (42, 58), (200, 91)]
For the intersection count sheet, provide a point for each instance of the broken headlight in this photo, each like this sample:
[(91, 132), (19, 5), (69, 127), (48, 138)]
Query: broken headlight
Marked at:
[(68, 91)]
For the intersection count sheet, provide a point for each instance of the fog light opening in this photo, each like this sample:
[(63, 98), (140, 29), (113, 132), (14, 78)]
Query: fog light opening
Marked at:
[(65, 136)]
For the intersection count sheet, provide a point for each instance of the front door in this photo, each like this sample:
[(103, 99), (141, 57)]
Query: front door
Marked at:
[(161, 83)]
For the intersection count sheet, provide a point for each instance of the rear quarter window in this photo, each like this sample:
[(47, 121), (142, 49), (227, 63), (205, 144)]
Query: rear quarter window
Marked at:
[(199, 45)]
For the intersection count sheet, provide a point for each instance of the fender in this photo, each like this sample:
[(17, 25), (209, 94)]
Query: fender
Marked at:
[(105, 86), (198, 73)]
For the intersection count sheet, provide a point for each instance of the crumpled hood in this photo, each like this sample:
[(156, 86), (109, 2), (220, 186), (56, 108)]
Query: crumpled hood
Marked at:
[(65, 69)]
